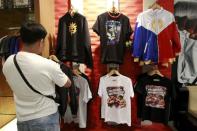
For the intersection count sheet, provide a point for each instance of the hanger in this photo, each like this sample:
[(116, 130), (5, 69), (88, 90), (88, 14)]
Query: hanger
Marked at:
[(54, 58), (155, 6), (114, 10), (113, 69), (154, 71), (114, 72), (72, 11), (76, 71)]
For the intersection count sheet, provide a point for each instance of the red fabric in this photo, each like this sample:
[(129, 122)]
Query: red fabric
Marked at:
[(20, 44), (167, 4), (169, 43), (129, 68), (61, 7), (175, 39)]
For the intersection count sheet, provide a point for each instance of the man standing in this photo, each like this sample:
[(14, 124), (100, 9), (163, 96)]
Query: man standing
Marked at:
[(34, 112)]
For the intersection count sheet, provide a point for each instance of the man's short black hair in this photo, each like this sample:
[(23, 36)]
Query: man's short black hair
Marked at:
[(31, 32)]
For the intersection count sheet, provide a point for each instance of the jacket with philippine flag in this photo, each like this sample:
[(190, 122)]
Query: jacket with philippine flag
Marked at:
[(156, 39)]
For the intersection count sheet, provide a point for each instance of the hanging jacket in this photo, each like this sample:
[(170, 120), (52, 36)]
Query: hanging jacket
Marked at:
[(13, 43), (17, 46), (156, 39), (187, 64), (9, 45), (67, 92), (5, 47), (73, 40)]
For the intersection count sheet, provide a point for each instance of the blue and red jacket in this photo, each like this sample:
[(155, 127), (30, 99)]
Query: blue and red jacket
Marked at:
[(156, 38)]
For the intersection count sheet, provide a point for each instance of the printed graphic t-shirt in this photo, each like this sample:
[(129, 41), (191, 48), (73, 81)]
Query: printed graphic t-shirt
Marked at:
[(155, 94), (84, 96), (114, 31), (116, 93)]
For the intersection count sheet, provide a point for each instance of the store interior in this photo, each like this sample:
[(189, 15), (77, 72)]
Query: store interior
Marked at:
[(49, 12)]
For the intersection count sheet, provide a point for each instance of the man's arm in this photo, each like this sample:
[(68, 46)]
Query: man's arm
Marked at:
[(57, 76), (68, 83), (54, 58)]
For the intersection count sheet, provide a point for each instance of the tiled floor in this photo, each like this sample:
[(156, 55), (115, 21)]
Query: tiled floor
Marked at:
[(11, 126), (7, 108), (155, 127)]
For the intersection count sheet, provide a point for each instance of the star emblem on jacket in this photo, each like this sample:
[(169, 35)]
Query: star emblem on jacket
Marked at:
[(157, 24), (72, 28)]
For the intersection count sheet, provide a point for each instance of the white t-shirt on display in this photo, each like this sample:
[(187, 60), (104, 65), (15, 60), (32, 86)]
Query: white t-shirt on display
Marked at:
[(84, 96), (42, 74), (116, 93)]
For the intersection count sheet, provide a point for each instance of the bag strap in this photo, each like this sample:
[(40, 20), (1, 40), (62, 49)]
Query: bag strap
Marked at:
[(26, 81)]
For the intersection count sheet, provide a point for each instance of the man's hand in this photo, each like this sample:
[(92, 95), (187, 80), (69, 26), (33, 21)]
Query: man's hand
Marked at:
[(2, 61), (53, 57), (68, 84)]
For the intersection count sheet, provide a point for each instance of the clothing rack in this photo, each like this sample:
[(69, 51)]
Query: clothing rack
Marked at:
[(10, 28), (14, 28), (11, 31)]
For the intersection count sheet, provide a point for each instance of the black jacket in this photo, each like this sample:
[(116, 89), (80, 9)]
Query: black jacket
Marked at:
[(5, 47), (65, 92), (9, 45), (73, 40)]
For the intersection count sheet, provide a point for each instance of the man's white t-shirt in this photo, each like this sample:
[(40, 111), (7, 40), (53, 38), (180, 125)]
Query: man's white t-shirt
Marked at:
[(116, 93), (42, 74)]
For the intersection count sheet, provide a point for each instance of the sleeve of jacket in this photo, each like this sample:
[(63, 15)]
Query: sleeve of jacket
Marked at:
[(129, 30), (175, 38), (71, 92), (137, 40), (139, 92), (87, 42)]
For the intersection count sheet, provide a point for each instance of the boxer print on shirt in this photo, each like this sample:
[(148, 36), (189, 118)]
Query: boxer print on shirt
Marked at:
[(116, 97)]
